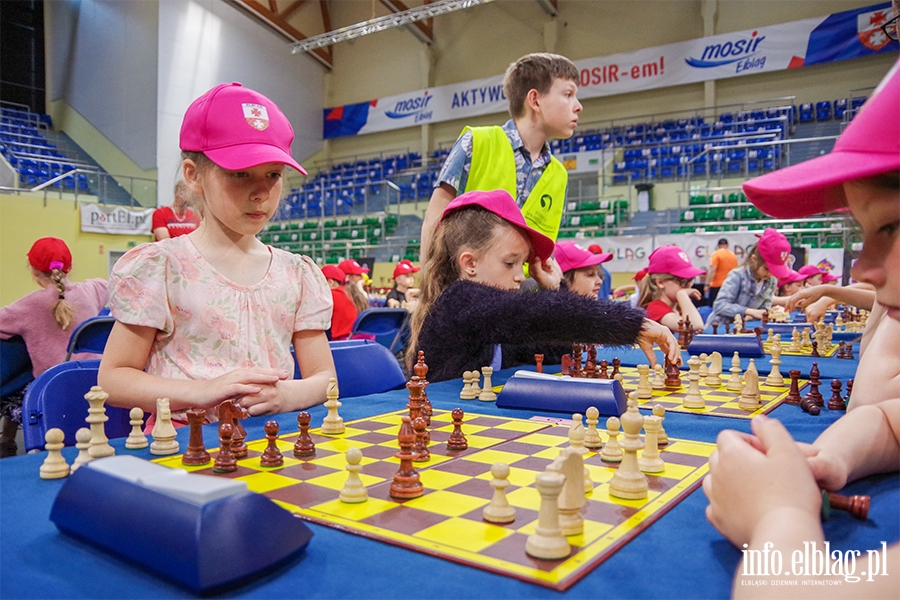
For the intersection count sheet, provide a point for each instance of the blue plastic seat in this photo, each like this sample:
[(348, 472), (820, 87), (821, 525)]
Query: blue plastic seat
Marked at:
[(15, 366), (90, 336), (363, 367), (56, 399), (386, 324)]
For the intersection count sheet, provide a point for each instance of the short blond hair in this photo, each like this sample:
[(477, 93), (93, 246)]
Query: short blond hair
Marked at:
[(535, 71)]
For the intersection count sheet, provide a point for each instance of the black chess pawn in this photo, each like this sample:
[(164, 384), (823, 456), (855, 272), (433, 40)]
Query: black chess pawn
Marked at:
[(815, 349), (715, 329), (272, 456), (604, 370), (457, 440), (809, 405), (616, 363), (304, 446), (836, 402), (793, 396), (225, 461), (814, 383)]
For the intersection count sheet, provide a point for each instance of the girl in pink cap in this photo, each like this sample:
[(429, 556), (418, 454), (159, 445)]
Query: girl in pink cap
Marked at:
[(764, 489), (211, 316), (470, 302), (666, 290), (581, 268), (45, 320), (788, 286), (749, 289)]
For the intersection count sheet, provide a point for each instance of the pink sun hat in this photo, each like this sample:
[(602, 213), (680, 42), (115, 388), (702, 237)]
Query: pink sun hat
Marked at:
[(670, 260), (828, 277), (869, 146), (502, 204), (808, 271), (238, 128), (775, 249), (571, 256), (792, 277)]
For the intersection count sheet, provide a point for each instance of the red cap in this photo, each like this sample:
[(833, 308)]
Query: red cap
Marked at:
[(238, 128), (775, 249), (502, 204), (351, 267), (332, 272), (670, 260), (405, 267), (50, 253), (869, 146), (570, 256)]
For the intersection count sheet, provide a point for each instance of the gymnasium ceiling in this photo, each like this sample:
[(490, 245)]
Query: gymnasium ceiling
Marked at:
[(297, 20)]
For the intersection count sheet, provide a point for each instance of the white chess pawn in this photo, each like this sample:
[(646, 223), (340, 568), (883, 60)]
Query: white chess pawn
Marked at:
[(592, 439), (354, 491), (136, 439), (466, 393), (659, 377), (734, 383), (612, 452), (644, 390), (499, 509), (83, 443), (54, 466)]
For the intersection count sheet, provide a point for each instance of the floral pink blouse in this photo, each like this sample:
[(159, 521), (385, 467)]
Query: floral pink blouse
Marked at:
[(209, 325)]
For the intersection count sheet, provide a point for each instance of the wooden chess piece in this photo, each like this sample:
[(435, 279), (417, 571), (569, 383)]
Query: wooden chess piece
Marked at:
[(809, 405), (570, 464), (406, 484), (415, 403), (682, 336), (136, 439), (715, 329), (775, 378), (487, 392), (793, 396), (539, 363), (628, 482), (592, 360), (304, 446), (466, 393), (616, 365), (272, 456), (100, 447), (662, 438), (354, 491), (225, 460), (836, 402), (333, 424), (659, 377), (644, 391), (693, 398), (547, 541), (592, 439), (54, 465), (565, 365), (734, 383), (576, 360), (650, 461), (713, 379), (750, 391), (857, 506), (604, 370), (848, 353), (704, 366), (499, 509), (196, 453), (421, 370), (612, 452), (815, 349), (83, 443), (673, 375), (163, 431), (576, 442), (457, 440), (849, 391), (420, 448), (814, 383)]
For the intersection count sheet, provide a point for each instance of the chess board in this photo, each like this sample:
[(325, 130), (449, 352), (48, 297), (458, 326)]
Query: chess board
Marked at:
[(785, 350), (720, 402), (447, 520)]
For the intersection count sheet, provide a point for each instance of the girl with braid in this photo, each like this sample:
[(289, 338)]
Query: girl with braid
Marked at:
[(45, 320)]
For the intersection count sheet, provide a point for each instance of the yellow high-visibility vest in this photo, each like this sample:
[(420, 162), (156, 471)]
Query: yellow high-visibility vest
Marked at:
[(494, 168)]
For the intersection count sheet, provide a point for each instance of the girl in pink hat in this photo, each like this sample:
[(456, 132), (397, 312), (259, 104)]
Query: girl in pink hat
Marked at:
[(581, 268), (787, 287), (470, 303), (211, 316), (665, 288), (811, 274), (45, 320), (749, 289)]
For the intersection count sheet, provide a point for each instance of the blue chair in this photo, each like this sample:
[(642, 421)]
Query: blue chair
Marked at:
[(386, 324), (15, 366), (363, 367), (56, 399), (90, 336)]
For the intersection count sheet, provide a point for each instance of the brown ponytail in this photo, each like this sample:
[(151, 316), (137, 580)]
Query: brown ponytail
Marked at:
[(62, 310)]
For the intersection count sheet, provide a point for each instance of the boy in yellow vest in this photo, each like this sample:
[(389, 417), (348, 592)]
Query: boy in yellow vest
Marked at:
[(541, 89)]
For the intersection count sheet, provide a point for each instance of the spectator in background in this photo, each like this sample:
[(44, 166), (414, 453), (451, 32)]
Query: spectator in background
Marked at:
[(354, 286), (175, 220), (344, 314), (721, 262), (403, 282), (606, 286)]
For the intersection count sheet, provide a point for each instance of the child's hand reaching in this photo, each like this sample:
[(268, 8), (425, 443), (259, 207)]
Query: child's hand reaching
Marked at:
[(759, 480), (546, 273), (654, 333)]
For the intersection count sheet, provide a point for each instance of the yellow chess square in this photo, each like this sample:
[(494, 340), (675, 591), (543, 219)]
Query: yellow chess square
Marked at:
[(692, 448), (523, 426), (465, 534), (543, 439), (440, 480), (674, 471), (601, 474), (354, 512), (339, 461), (267, 481), (525, 497), (336, 481), (341, 445), (601, 494), (447, 503), (489, 457), (261, 445), (592, 531)]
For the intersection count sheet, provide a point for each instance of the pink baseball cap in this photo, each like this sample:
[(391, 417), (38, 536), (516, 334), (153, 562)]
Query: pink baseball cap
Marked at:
[(405, 267), (570, 256), (807, 271), (775, 249), (829, 277), (670, 260), (792, 277), (351, 267), (332, 272), (502, 204), (238, 128), (869, 146)]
